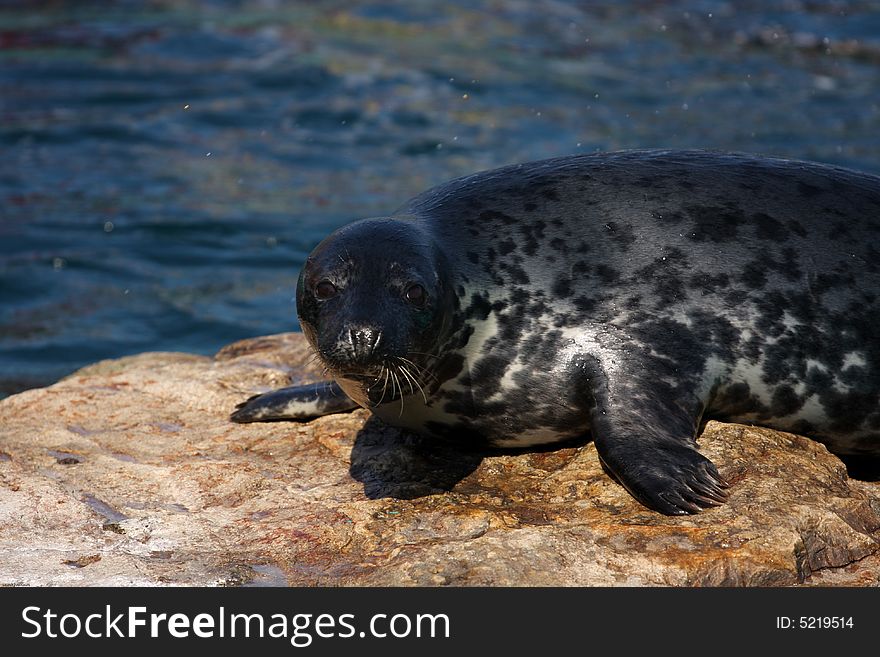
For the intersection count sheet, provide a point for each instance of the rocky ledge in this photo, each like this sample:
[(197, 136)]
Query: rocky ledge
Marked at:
[(129, 472)]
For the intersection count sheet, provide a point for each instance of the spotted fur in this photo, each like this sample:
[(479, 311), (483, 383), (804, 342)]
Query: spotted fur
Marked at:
[(628, 295)]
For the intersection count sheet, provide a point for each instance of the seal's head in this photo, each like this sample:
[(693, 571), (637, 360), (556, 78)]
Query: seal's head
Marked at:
[(373, 297)]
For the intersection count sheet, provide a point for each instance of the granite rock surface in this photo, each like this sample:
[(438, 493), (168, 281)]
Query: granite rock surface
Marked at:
[(129, 472)]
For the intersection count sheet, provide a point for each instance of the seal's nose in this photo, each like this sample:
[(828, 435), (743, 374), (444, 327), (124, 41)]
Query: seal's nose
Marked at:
[(364, 341)]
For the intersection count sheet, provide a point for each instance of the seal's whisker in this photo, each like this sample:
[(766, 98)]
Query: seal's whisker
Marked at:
[(384, 385), (412, 380), (412, 377), (424, 394), (397, 381), (407, 375), (425, 354), (420, 371)]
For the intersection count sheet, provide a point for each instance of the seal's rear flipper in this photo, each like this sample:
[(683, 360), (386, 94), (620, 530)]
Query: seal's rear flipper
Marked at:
[(298, 403)]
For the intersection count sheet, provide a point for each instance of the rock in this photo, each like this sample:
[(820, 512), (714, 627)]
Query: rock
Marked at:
[(129, 472)]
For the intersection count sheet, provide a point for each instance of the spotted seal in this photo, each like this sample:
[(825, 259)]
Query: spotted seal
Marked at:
[(628, 295)]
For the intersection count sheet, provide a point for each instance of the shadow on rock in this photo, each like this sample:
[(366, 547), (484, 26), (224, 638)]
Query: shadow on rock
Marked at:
[(864, 468), (390, 462)]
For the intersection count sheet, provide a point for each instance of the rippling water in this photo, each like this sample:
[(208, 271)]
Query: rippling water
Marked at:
[(166, 166)]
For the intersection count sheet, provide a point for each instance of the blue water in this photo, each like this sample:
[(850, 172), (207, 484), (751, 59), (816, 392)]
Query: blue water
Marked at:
[(166, 166)]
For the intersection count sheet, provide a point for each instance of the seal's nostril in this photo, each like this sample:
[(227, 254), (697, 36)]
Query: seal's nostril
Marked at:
[(364, 340)]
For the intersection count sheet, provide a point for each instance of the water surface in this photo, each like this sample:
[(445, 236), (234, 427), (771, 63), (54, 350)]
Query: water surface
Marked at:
[(166, 166)]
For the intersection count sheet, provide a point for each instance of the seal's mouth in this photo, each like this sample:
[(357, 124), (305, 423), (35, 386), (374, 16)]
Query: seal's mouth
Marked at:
[(391, 380), (339, 366), (358, 373), (365, 378)]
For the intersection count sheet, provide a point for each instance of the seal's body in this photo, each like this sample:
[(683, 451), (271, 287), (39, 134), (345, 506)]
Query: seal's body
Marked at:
[(628, 295)]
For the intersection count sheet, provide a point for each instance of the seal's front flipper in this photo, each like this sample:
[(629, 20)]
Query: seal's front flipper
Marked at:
[(645, 439), (672, 479), (295, 403)]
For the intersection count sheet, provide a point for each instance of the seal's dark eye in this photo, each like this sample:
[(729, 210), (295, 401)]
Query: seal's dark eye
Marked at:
[(416, 295), (325, 290)]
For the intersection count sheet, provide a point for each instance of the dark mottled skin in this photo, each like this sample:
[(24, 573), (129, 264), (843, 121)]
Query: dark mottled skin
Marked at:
[(628, 295)]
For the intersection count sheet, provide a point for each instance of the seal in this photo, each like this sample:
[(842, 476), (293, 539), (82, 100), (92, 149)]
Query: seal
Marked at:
[(626, 295)]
